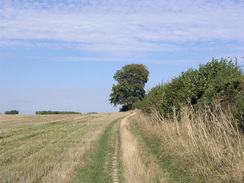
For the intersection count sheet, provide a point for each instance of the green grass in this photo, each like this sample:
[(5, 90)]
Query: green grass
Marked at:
[(119, 156), (99, 168)]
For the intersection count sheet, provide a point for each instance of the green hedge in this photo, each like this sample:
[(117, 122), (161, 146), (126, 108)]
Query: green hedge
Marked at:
[(220, 81)]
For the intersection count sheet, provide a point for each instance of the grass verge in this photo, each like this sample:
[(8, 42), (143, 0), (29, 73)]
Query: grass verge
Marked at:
[(203, 147), (153, 146)]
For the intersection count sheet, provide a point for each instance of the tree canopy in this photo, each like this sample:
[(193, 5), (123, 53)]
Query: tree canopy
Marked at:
[(130, 88)]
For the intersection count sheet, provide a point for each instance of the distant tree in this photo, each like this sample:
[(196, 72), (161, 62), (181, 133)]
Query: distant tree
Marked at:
[(12, 112), (130, 88)]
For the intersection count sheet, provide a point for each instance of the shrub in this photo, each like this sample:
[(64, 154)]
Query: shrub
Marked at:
[(124, 108), (152, 100), (217, 80), (239, 111)]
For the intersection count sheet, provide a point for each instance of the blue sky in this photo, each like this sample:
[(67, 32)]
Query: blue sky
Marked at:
[(62, 54)]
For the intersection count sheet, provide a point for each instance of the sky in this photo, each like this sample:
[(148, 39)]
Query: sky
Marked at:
[(62, 54)]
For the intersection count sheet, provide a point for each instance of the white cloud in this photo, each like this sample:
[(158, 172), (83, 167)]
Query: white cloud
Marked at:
[(119, 26)]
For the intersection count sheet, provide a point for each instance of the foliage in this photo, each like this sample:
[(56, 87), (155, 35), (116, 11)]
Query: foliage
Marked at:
[(12, 112), (55, 112), (130, 88), (151, 101), (239, 111), (217, 80)]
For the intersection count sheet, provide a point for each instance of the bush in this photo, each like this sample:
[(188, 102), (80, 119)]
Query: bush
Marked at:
[(152, 100), (125, 108), (239, 111), (217, 80), (12, 112), (92, 113)]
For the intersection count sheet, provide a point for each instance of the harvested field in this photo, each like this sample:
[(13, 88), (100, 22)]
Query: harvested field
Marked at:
[(48, 148)]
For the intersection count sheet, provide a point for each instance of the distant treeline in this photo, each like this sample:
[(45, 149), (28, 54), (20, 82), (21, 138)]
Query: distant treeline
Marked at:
[(12, 112), (55, 112), (217, 81)]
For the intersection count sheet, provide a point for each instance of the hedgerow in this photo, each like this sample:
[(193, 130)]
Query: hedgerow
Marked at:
[(12, 112), (55, 112), (220, 81)]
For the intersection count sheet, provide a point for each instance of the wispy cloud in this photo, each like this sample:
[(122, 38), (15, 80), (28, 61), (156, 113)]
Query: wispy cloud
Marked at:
[(119, 26), (61, 89)]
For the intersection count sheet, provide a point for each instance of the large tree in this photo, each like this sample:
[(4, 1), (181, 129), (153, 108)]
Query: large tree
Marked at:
[(130, 88)]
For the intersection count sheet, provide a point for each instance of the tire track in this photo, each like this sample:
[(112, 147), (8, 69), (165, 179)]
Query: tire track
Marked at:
[(115, 161), (134, 170)]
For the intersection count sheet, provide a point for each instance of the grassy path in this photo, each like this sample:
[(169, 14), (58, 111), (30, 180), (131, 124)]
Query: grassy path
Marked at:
[(134, 170), (98, 168), (140, 165), (120, 157), (103, 164)]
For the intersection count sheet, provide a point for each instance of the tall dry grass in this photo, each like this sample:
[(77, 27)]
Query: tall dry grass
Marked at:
[(139, 165), (207, 145)]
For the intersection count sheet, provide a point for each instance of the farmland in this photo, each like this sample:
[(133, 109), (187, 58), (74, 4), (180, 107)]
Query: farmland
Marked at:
[(49, 148), (119, 147)]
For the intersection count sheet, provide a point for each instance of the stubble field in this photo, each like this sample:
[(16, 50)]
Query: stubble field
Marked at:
[(50, 148)]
